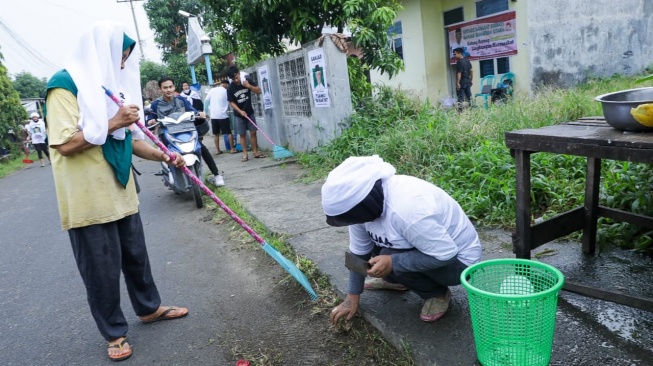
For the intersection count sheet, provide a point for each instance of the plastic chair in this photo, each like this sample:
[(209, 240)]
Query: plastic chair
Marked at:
[(487, 83), (508, 86)]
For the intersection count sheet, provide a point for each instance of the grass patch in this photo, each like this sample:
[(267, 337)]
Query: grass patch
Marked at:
[(356, 332), (15, 164), (465, 154)]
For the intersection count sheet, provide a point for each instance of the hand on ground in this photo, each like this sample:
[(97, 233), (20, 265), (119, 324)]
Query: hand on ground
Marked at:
[(347, 308)]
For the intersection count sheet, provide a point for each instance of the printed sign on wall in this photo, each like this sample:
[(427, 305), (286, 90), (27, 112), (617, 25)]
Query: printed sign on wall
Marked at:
[(484, 38), (264, 77), (317, 65)]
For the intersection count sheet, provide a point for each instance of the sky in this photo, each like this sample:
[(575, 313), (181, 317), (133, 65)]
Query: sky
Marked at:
[(41, 32)]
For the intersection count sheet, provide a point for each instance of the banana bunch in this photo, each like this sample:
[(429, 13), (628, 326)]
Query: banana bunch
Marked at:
[(643, 114)]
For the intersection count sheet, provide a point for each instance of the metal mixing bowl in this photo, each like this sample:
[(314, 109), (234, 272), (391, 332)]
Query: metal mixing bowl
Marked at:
[(617, 105)]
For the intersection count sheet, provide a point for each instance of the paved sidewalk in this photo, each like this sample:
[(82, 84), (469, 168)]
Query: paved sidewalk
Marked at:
[(588, 332)]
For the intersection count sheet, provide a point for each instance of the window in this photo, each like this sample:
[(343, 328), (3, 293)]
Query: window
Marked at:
[(395, 38), (453, 16), (294, 87), (487, 67), (488, 7), (503, 65)]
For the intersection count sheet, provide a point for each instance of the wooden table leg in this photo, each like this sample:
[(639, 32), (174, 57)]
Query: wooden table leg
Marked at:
[(522, 241), (592, 183)]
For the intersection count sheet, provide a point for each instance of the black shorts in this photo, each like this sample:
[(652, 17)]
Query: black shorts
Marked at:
[(221, 126)]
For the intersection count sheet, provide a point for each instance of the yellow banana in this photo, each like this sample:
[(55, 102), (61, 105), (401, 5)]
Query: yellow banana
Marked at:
[(643, 114)]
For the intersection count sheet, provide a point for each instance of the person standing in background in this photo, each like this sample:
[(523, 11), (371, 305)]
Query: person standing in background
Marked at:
[(218, 104), (37, 135), (240, 97), (464, 77)]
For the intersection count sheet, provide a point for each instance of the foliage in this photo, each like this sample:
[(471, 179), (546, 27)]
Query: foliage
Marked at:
[(465, 154), (359, 85), (29, 86), (257, 28), (11, 111), (152, 71), (170, 34), (168, 25)]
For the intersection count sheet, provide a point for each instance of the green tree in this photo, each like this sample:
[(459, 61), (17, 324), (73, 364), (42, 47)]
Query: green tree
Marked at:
[(11, 111), (29, 86), (170, 27), (257, 28), (170, 34), (151, 70)]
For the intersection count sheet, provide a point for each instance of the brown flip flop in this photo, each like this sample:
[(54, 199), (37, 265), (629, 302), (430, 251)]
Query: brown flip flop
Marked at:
[(165, 315), (120, 346)]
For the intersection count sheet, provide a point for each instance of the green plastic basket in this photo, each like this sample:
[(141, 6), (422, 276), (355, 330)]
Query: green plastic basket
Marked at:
[(513, 305)]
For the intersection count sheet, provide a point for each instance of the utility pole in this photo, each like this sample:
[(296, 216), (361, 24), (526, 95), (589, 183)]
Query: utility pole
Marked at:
[(138, 35)]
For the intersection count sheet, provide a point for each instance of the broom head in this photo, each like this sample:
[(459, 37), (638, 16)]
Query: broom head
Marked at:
[(290, 268), (279, 152)]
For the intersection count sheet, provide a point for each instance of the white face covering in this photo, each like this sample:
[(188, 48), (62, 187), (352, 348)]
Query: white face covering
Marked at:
[(95, 62)]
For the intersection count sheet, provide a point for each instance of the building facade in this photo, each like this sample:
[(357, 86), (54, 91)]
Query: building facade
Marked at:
[(554, 42)]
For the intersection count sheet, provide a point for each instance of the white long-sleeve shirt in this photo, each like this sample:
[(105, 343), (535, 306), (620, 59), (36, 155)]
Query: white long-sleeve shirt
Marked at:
[(420, 215)]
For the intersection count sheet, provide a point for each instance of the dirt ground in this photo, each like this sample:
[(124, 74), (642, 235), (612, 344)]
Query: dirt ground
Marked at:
[(271, 320)]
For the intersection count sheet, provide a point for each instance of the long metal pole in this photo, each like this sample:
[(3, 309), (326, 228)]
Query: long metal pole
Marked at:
[(138, 35)]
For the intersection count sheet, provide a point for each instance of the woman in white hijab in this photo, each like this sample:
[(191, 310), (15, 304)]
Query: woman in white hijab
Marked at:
[(411, 233), (92, 143)]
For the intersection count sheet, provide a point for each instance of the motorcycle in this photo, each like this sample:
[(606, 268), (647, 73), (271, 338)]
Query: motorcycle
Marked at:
[(179, 133)]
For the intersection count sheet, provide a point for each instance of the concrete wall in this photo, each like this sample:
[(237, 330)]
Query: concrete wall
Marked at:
[(312, 127), (573, 40)]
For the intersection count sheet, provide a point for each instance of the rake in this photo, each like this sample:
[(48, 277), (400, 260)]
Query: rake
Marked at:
[(278, 152), (272, 251)]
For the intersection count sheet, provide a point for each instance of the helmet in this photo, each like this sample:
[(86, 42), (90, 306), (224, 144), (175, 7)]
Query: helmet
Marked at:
[(34, 114)]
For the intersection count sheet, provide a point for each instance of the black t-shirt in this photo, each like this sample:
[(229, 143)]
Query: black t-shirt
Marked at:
[(241, 96), (464, 67)]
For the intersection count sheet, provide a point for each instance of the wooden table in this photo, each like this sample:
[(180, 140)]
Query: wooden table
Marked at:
[(593, 138)]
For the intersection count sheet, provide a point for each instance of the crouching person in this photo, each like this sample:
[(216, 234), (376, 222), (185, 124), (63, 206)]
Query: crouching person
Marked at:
[(413, 234)]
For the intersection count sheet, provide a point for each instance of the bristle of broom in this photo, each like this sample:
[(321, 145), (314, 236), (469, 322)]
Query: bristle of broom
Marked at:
[(280, 153)]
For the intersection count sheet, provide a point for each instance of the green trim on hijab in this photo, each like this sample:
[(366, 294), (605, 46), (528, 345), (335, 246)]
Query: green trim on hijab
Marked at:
[(127, 42), (118, 153), (62, 79)]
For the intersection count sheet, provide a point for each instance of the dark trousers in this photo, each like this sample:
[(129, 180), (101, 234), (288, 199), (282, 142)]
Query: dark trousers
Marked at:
[(41, 149), (464, 94), (428, 284), (208, 159), (101, 252)]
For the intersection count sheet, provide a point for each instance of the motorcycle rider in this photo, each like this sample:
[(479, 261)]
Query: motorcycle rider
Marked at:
[(169, 103)]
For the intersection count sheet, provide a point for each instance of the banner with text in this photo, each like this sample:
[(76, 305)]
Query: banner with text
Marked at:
[(484, 38), (317, 65), (264, 77)]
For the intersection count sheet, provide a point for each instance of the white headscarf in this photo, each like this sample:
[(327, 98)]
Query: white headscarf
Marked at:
[(351, 181), (95, 62)]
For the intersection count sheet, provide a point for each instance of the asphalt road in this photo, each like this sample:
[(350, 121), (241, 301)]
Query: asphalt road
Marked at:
[(45, 316)]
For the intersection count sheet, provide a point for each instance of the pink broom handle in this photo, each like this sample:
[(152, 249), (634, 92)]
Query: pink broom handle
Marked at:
[(190, 174), (258, 128)]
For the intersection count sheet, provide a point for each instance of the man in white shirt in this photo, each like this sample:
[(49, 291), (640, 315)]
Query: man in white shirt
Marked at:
[(412, 233), (217, 104), (36, 131)]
